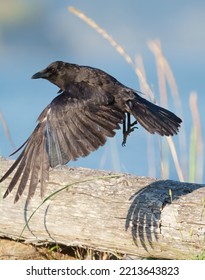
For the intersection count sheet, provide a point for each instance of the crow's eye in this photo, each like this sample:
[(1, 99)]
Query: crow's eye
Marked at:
[(52, 70)]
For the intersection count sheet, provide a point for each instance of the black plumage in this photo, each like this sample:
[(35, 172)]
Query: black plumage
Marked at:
[(90, 107)]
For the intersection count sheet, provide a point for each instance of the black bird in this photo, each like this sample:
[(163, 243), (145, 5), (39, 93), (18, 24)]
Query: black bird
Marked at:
[(90, 106)]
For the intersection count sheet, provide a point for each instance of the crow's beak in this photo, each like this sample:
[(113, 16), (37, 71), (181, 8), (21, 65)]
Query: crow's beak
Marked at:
[(41, 74)]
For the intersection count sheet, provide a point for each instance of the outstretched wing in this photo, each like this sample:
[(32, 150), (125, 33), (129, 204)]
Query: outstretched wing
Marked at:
[(75, 123)]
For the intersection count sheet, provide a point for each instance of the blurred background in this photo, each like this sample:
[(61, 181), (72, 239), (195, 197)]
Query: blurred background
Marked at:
[(35, 33)]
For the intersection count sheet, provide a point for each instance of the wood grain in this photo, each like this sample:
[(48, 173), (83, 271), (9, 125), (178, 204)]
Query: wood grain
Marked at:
[(118, 213)]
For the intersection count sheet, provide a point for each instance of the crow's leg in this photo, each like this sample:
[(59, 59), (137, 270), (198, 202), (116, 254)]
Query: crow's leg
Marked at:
[(127, 128)]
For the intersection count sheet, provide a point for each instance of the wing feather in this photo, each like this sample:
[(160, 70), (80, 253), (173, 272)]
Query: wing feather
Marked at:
[(68, 128), (26, 164)]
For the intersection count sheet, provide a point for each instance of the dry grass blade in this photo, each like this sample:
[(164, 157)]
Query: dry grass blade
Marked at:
[(144, 87), (6, 129), (196, 146), (175, 158), (165, 75), (156, 49), (102, 32), (140, 72), (143, 83)]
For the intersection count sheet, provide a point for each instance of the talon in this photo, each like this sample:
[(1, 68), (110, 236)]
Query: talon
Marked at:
[(134, 123), (124, 143)]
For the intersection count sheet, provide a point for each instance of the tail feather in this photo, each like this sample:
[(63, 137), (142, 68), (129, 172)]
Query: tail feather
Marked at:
[(153, 118)]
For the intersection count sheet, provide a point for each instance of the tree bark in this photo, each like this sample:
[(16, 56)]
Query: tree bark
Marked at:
[(117, 213)]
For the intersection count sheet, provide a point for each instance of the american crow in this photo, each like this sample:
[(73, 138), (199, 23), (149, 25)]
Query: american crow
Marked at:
[(90, 106)]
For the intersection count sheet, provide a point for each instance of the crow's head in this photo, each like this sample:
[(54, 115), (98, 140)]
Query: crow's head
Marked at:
[(55, 73)]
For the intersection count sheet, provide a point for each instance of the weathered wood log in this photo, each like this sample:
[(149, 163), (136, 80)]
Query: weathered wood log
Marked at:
[(122, 213)]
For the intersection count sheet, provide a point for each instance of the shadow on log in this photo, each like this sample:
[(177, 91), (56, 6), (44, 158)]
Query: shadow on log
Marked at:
[(117, 213)]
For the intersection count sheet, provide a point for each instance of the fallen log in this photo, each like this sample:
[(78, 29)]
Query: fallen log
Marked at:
[(117, 213)]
